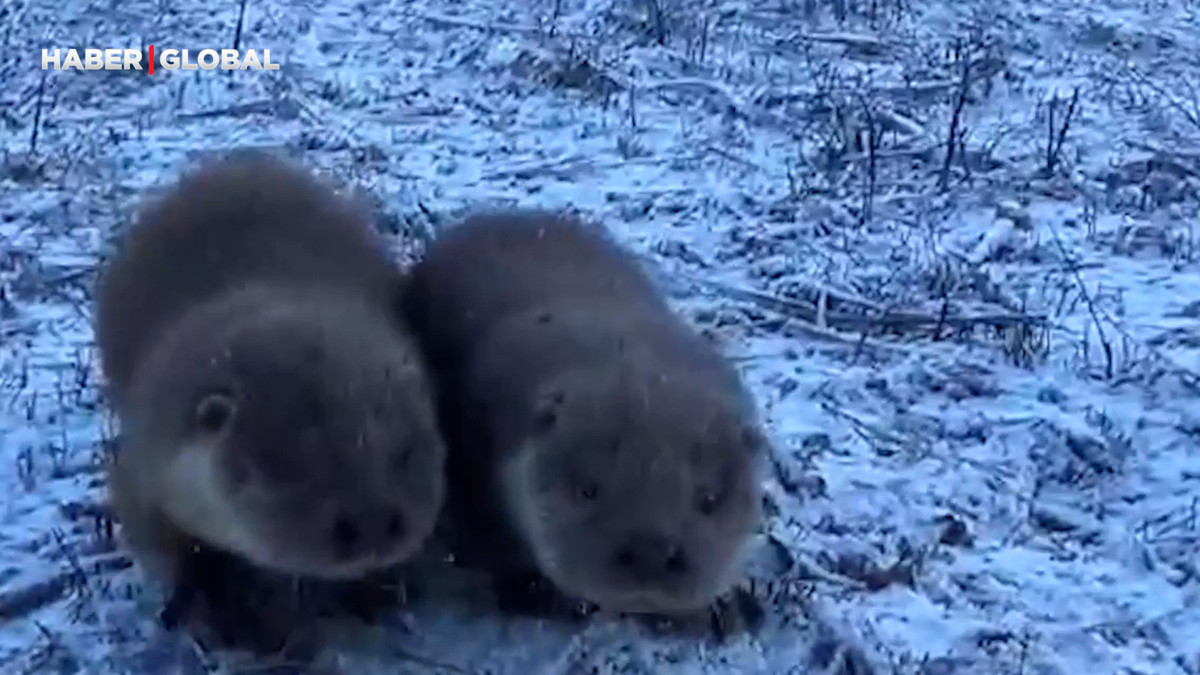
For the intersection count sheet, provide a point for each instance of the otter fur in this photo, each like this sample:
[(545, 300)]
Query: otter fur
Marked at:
[(275, 413), (595, 439)]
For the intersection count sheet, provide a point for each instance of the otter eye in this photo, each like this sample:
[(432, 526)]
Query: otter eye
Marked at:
[(587, 492), (706, 502), (394, 526), (398, 461), (345, 533), (214, 412), (545, 419), (545, 414)]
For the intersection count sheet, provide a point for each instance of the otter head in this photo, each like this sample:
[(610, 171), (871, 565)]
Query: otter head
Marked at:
[(636, 491), (304, 441)]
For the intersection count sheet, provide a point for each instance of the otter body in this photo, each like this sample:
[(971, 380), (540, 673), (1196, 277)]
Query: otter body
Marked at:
[(275, 413), (595, 440)]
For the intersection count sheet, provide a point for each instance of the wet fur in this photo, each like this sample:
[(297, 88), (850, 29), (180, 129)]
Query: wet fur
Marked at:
[(253, 274), (516, 309)]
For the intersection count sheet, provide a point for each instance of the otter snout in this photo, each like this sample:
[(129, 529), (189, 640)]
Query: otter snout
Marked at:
[(651, 557)]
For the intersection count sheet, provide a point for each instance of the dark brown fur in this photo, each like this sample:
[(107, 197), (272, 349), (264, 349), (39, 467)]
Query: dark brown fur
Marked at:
[(250, 217), (275, 415), (556, 353)]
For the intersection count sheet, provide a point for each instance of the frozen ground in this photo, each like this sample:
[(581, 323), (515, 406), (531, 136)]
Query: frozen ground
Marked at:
[(981, 372)]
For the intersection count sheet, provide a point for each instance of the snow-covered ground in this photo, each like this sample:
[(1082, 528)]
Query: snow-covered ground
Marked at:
[(982, 373)]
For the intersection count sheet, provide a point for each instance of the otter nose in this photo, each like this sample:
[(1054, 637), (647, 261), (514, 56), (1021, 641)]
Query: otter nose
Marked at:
[(358, 533), (651, 555)]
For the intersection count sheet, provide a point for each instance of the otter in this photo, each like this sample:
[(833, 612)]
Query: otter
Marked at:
[(276, 415), (595, 440)]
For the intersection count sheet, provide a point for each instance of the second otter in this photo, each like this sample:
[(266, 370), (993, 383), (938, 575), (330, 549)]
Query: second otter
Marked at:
[(594, 438), (272, 407)]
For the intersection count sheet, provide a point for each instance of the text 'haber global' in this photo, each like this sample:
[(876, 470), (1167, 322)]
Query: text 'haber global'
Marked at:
[(167, 59)]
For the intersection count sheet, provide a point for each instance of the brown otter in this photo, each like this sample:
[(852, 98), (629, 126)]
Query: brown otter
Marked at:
[(275, 414), (594, 438)]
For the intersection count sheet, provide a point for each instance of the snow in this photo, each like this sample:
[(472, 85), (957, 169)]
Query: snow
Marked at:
[(1012, 500)]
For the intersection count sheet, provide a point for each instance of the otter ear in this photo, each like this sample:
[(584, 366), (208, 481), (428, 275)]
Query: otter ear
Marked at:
[(545, 411), (215, 411)]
